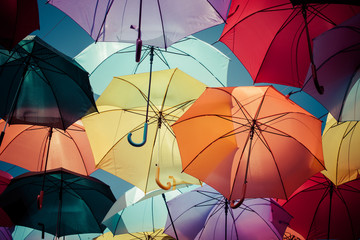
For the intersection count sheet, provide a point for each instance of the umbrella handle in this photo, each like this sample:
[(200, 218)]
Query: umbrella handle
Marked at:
[(138, 49), (234, 205), (144, 137), (40, 199), (157, 176)]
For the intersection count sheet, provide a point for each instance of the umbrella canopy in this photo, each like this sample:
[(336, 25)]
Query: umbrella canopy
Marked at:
[(341, 141), (249, 141), (204, 213), (104, 60), (156, 23), (5, 233), (150, 210), (40, 148), (25, 233), (272, 39), (5, 179), (122, 108), (337, 57), (156, 235), (42, 86), (19, 18), (72, 203), (322, 211)]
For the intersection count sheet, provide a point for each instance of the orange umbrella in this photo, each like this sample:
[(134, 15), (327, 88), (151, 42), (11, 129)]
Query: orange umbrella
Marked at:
[(249, 141), (27, 146)]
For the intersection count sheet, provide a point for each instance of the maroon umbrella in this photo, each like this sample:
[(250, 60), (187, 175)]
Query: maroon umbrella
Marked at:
[(321, 210), (18, 19), (272, 39)]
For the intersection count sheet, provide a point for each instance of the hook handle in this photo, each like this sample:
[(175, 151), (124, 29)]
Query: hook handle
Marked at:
[(234, 205), (144, 137), (168, 184)]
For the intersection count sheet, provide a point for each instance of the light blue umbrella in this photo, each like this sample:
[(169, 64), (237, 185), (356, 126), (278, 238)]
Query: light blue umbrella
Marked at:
[(104, 60)]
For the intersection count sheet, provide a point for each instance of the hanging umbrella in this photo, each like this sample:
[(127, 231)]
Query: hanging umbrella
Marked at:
[(5, 221), (156, 235), (25, 233), (204, 213), (104, 60), (122, 107), (341, 141), (249, 142), (41, 148), (154, 23), (42, 86), (272, 39), (19, 18), (5, 233), (337, 57), (150, 210), (72, 203), (321, 210)]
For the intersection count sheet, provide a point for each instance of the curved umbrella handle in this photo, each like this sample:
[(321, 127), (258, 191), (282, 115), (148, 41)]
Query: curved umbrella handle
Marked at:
[(234, 205), (168, 184), (144, 137)]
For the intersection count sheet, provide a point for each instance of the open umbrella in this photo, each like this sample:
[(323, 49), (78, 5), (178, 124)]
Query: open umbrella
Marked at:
[(155, 23), (204, 213), (42, 86), (156, 235), (72, 203), (5, 233), (19, 18), (41, 148), (249, 142), (272, 39), (341, 141), (104, 60), (122, 107), (322, 210), (337, 58)]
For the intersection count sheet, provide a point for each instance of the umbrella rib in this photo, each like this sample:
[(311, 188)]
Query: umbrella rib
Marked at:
[(317, 13), (162, 24)]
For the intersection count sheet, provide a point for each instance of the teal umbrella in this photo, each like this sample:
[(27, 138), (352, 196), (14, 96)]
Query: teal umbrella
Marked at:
[(104, 60), (72, 203), (42, 86)]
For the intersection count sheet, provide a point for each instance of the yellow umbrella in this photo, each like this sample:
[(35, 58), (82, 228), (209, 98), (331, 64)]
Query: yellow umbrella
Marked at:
[(122, 110), (341, 141), (158, 234)]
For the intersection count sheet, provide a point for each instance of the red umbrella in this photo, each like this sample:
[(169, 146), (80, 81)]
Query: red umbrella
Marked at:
[(18, 19), (322, 211), (272, 39)]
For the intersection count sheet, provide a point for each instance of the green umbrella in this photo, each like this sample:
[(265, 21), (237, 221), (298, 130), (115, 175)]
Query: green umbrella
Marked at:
[(42, 86), (72, 203)]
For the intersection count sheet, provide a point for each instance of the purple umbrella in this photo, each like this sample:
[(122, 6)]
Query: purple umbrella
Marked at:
[(5, 233), (337, 57), (204, 213)]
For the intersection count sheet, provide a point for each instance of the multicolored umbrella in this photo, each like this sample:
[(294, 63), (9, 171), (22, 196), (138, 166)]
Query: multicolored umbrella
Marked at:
[(72, 203), (104, 60), (249, 142), (337, 57), (42, 86), (19, 18), (341, 141), (272, 39), (322, 210), (122, 107), (204, 213)]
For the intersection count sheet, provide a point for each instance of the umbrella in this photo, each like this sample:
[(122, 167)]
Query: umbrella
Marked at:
[(25, 233), (337, 57), (5, 233), (341, 141), (72, 203), (19, 18), (249, 141), (322, 210), (204, 213), (156, 235), (5, 179), (42, 86), (5, 221), (154, 23), (150, 210), (104, 60), (122, 107), (272, 39), (41, 148)]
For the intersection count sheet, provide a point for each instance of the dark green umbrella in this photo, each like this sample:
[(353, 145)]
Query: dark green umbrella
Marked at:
[(42, 86), (72, 203)]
